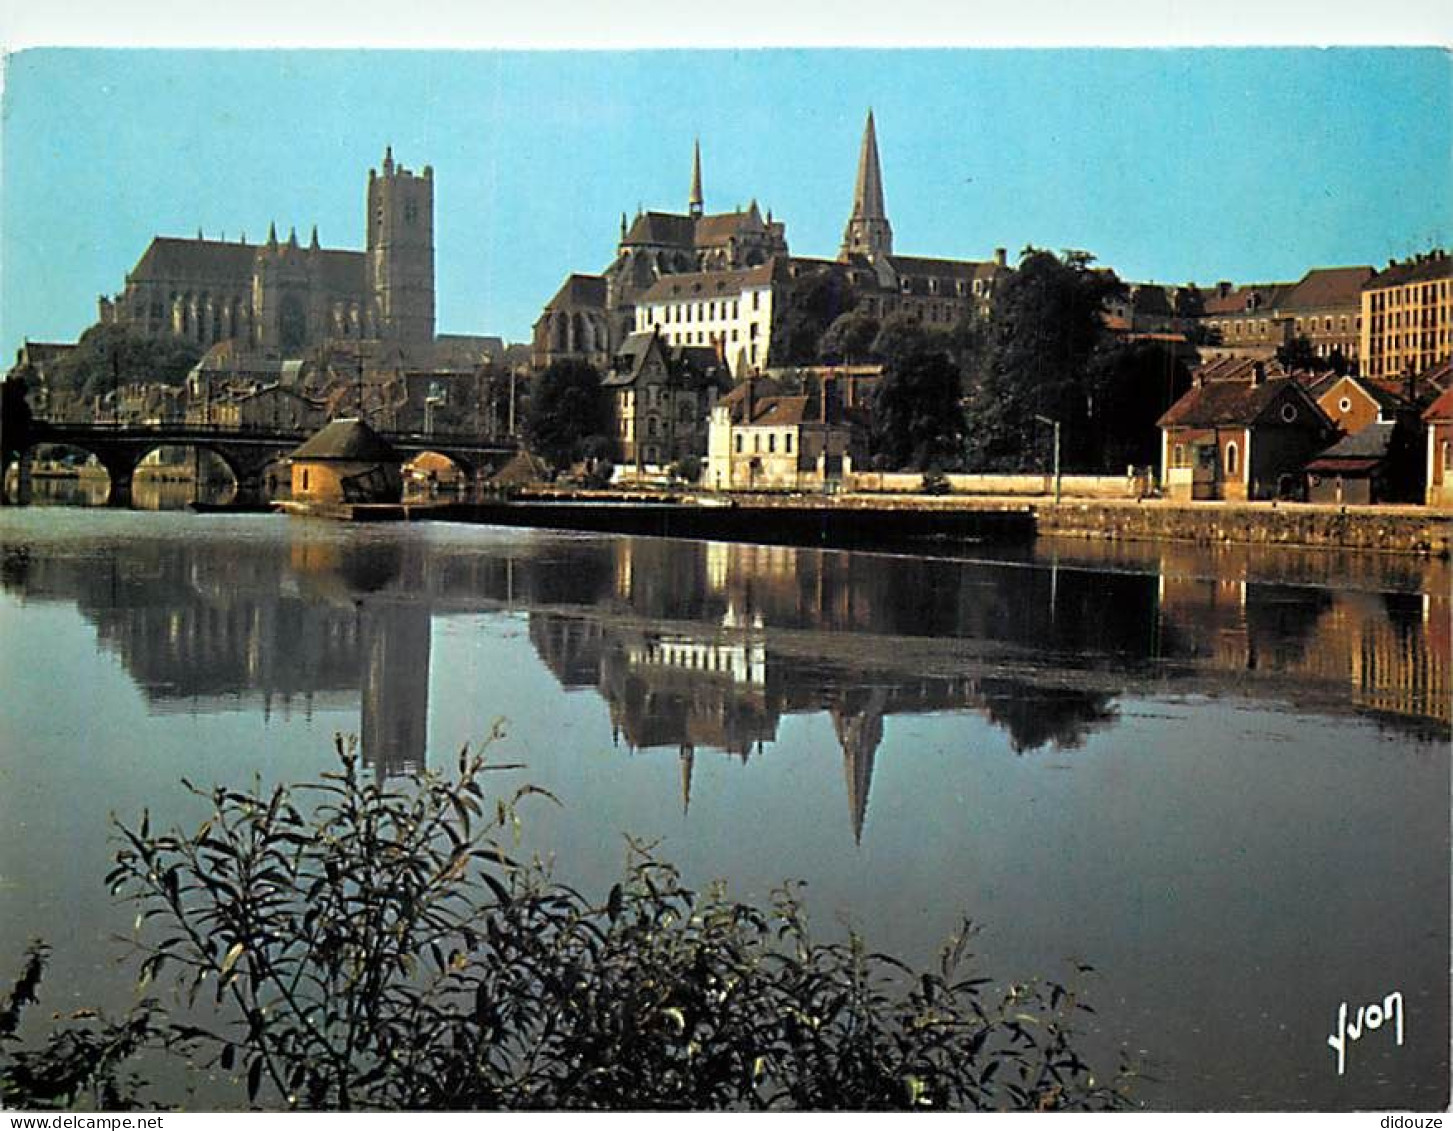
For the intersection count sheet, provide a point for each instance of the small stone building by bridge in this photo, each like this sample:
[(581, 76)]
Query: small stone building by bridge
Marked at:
[(347, 462)]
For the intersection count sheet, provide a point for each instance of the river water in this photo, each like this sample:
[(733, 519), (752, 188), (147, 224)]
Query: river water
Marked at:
[(1219, 777)]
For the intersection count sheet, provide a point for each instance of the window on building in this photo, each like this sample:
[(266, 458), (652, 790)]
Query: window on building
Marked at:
[(1178, 456), (305, 476), (739, 443), (772, 441), (757, 442), (1232, 459), (788, 439)]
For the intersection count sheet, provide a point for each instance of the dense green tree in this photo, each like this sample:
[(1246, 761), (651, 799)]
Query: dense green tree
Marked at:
[(1044, 329), (917, 422), (815, 302), (850, 338), (568, 410), (109, 355), (1130, 385)]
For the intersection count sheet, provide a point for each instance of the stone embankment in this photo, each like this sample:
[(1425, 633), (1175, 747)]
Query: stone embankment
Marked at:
[(1414, 530), (1396, 530)]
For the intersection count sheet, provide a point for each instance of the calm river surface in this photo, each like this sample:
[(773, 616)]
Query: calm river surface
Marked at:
[(1222, 778)]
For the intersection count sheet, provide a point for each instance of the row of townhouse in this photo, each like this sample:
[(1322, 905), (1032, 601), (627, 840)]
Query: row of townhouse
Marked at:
[(1381, 323)]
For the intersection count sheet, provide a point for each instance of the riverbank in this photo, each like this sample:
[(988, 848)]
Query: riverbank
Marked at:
[(862, 519)]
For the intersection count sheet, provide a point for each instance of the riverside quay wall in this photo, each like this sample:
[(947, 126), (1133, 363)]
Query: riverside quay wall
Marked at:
[(873, 521), (1396, 530)]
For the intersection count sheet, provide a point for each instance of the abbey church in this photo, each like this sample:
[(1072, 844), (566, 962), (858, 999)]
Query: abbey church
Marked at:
[(724, 281), (280, 298)]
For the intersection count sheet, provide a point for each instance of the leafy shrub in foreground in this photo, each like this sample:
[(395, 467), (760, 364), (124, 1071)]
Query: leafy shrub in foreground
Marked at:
[(361, 944)]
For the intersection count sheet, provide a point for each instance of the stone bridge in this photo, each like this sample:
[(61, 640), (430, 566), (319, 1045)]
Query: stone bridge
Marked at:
[(247, 453)]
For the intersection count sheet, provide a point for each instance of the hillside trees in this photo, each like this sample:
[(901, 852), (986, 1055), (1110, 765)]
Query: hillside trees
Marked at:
[(108, 355), (569, 413)]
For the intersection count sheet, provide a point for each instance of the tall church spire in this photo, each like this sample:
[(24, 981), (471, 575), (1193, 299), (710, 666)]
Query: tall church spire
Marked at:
[(868, 231), (696, 203)]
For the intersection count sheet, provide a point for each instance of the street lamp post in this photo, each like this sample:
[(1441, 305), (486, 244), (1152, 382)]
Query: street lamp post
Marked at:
[(1055, 425)]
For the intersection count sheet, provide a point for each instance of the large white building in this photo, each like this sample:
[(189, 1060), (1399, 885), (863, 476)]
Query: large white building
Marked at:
[(727, 311)]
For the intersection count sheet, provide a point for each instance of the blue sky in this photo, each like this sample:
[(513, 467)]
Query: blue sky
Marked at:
[(1167, 165)]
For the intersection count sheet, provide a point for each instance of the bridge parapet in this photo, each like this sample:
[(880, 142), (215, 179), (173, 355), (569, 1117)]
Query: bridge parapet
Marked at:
[(119, 447)]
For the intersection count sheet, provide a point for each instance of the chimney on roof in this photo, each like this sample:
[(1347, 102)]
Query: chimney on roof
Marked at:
[(1223, 288), (1258, 373), (1001, 257)]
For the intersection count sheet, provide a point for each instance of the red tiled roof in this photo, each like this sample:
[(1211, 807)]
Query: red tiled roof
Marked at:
[(772, 411), (1233, 403), (1441, 410)]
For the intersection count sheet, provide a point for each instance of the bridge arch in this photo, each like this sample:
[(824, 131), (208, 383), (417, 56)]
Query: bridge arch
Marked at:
[(49, 467), (187, 468), (435, 471)]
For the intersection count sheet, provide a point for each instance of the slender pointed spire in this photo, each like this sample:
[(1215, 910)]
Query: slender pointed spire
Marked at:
[(860, 735), (272, 233), (697, 201), (292, 237), (313, 243), (868, 231), (868, 195)]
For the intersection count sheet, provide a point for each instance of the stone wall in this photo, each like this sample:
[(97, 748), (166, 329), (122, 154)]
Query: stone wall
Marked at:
[(1071, 486), (1401, 530)]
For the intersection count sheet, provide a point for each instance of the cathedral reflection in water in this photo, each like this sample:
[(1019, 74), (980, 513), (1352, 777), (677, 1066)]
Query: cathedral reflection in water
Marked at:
[(702, 649)]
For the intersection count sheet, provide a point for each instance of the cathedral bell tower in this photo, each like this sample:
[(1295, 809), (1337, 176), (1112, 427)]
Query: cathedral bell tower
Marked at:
[(400, 252), (868, 231)]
